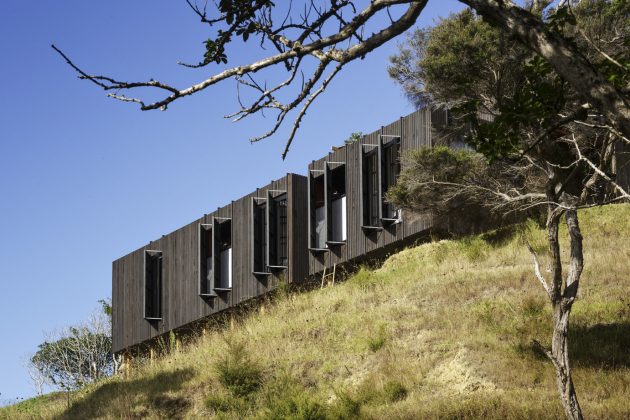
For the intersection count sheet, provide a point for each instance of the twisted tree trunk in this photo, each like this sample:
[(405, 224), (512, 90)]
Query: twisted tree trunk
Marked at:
[(560, 358), (562, 302)]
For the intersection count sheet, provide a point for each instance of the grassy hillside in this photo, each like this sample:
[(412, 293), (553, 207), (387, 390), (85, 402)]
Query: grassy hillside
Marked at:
[(442, 330)]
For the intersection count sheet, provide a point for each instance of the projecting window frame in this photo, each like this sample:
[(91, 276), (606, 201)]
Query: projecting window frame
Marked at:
[(390, 171), (277, 230), (205, 247), (153, 276), (335, 189), (258, 235), (371, 193), (221, 243), (316, 195)]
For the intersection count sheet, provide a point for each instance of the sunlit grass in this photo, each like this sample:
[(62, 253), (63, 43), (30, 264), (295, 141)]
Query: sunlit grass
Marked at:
[(442, 330)]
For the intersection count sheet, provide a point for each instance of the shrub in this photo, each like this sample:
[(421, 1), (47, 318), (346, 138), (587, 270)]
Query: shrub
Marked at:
[(394, 391), (345, 407), (237, 372), (365, 279), (375, 343), (283, 290), (285, 398), (474, 248)]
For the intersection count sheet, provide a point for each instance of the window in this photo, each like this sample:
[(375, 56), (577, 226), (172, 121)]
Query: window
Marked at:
[(317, 211), (206, 276), (259, 222), (371, 186), (336, 200), (222, 254), (390, 165), (153, 285), (278, 240)]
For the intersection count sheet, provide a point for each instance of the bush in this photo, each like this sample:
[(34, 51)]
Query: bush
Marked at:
[(394, 391), (237, 372), (474, 248), (345, 407), (285, 398), (365, 279), (375, 343)]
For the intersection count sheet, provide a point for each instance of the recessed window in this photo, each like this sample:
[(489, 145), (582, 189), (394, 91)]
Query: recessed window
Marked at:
[(336, 192), (153, 285), (222, 254), (206, 276), (278, 238), (371, 191), (390, 170), (259, 235), (317, 210)]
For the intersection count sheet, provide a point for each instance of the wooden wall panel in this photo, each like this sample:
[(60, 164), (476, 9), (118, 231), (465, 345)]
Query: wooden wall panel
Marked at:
[(415, 131), (181, 303), (298, 256)]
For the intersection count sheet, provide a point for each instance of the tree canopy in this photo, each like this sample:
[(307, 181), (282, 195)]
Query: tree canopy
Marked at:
[(532, 140)]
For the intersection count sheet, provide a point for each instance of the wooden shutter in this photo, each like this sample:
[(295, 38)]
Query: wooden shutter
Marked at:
[(259, 223), (216, 253), (272, 231)]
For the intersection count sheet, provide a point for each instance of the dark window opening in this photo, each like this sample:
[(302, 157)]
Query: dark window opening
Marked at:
[(278, 247), (206, 276), (260, 236), (390, 167), (336, 217), (317, 212), (222, 254), (153, 285), (371, 188)]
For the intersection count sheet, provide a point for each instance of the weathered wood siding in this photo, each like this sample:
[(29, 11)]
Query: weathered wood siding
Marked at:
[(415, 131), (181, 303)]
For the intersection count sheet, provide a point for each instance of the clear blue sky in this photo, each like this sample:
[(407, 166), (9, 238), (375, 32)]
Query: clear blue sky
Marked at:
[(85, 179)]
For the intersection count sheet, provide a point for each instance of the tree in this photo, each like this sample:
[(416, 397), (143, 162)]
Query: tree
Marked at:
[(538, 145), (322, 39), (75, 356)]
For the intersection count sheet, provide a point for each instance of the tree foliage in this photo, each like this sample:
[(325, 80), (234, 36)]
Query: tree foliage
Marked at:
[(537, 143), (77, 355)]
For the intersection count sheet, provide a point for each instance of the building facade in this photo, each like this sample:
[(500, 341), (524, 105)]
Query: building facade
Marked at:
[(236, 253), (292, 229), (349, 218)]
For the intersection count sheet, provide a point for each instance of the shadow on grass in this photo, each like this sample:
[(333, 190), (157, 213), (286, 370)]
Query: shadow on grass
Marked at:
[(501, 236), (605, 346), (120, 398), (602, 346)]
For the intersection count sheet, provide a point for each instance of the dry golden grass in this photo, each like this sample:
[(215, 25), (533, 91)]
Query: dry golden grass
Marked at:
[(442, 330)]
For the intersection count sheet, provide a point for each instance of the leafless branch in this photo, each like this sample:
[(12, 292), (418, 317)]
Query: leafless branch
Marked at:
[(290, 52), (537, 271)]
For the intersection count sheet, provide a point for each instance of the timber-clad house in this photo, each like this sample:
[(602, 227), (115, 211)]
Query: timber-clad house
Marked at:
[(293, 229)]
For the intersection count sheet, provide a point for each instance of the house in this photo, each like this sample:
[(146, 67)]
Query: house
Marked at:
[(239, 252), (349, 219), (293, 229)]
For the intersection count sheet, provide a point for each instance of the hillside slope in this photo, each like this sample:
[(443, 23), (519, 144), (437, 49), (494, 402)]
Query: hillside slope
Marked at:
[(441, 330)]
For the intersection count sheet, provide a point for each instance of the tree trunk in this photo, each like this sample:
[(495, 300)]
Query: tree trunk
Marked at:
[(561, 54), (560, 354), (562, 302)]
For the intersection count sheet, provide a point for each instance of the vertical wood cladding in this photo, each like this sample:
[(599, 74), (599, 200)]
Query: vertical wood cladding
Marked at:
[(182, 268), (370, 224)]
